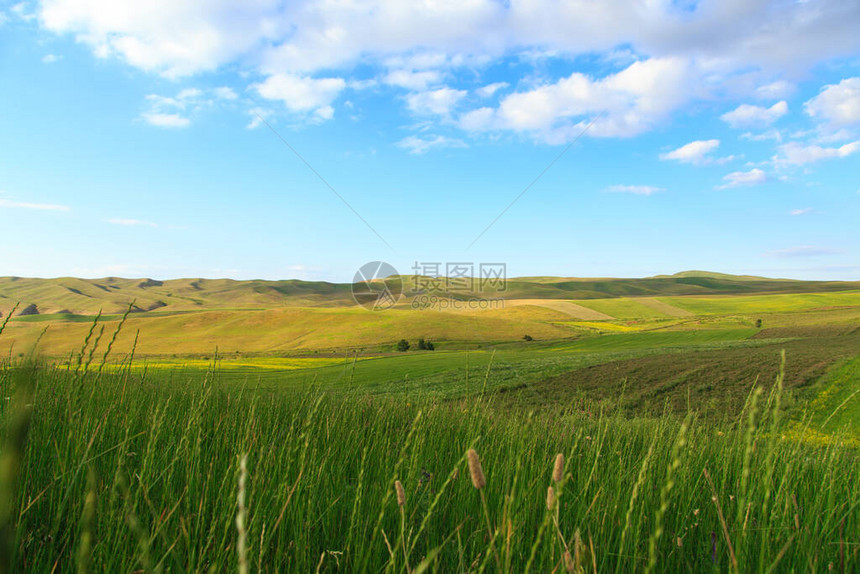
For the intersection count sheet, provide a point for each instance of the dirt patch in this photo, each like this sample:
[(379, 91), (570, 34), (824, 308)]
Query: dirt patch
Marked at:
[(566, 307), (716, 382)]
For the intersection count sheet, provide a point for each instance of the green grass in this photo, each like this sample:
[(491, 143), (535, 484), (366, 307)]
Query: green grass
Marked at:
[(837, 401), (762, 304), (126, 473)]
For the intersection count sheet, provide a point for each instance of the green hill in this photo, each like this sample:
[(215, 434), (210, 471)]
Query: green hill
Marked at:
[(73, 296)]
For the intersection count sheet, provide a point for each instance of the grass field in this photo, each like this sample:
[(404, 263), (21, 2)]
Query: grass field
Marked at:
[(273, 439), (159, 473)]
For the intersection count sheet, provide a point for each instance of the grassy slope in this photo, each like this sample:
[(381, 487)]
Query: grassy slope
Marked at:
[(292, 329), (113, 295)]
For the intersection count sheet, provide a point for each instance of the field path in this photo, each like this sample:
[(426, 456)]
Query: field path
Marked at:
[(664, 307), (572, 309)]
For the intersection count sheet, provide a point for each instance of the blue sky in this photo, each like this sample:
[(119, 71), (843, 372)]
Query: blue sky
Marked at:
[(134, 137)]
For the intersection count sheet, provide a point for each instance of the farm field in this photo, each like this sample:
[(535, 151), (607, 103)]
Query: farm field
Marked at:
[(688, 442)]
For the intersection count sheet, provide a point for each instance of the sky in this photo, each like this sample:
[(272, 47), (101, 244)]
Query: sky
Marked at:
[(581, 138)]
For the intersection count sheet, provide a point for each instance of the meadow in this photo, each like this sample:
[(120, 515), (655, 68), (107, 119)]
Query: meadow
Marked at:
[(650, 441), (126, 473)]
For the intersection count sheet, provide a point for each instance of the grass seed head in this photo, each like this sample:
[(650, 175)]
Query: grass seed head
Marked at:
[(550, 498), (478, 478), (401, 494), (558, 469)]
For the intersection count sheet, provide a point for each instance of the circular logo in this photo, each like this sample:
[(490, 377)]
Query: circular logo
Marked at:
[(377, 286)]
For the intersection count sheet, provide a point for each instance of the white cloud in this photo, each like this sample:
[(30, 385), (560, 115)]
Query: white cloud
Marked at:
[(696, 152), (418, 145), (686, 51), (477, 120), (36, 206), (184, 36), (796, 153), (257, 117), (301, 94), (412, 80), (224, 93), (634, 189), (749, 116), (3, 18), (22, 11), (165, 120), (774, 135), (167, 112), (803, 251), (174, 38), (631, 101), (131, 222), (775, 90), (754, 176), (803, 211), (439, 102), (837, 104), (490, 89), (50, 58)]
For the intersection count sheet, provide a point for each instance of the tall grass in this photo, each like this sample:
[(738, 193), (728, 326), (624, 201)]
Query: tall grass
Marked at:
[(126, 471)]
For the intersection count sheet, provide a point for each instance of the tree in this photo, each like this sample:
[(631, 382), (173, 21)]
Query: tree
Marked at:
[(422, 346), (430, 346), (758, 324), (528, 338), (403, 345)]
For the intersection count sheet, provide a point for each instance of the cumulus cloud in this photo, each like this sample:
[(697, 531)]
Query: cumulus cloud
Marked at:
[(796, 153), (754, 176), (774, 90), (303, 94), (418, 145), (677, 52), (162, 120), (490, 89), (175, 38), (50, 58), (224, 93), (696, 152), (184, 36), (628, 102), (439, 102), (749, 116), (837, 104), (413, 80), (176, 111), (634, 189)]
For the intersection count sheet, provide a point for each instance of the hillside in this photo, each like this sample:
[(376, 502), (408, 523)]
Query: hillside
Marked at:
[(73, 296)]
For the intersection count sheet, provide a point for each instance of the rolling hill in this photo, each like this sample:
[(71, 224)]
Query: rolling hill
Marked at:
[(112, 295)]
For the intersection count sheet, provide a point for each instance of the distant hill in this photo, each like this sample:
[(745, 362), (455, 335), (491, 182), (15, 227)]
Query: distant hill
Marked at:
[(713, 275), (73, 296)]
